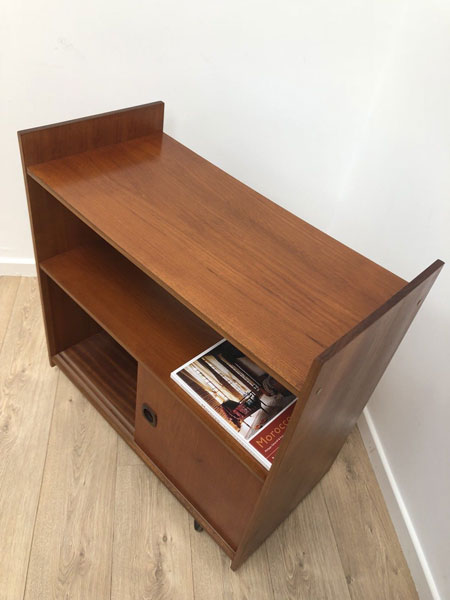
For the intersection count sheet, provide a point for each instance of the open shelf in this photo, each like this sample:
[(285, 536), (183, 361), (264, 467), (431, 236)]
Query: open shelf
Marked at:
[(106, 373), (149, 323)]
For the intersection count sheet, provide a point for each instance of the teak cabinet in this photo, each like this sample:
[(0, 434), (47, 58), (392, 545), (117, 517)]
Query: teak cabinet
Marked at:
[(147, 254)]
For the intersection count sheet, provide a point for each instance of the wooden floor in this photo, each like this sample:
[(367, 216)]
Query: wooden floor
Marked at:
[(81, 517)]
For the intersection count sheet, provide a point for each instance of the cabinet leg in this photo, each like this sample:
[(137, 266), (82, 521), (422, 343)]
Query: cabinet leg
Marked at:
[(197, 526)]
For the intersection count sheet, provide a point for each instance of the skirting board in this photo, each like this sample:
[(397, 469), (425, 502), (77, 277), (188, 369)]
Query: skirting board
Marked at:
[(403, 525), (25, 267)]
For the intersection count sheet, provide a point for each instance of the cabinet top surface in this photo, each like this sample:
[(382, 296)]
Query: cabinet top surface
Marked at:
[(279, 288)]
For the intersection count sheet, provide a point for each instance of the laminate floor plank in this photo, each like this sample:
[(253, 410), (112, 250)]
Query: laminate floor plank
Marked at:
[(373, 561), (27, 392), (152, 557), (8, 292), (125, 455), (213, 577), (71, 553), (304, 560)]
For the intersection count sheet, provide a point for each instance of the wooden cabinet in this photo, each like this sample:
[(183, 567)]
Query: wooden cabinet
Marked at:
[(147, 254)]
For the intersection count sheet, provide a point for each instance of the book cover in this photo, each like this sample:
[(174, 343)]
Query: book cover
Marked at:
[(253, 407)]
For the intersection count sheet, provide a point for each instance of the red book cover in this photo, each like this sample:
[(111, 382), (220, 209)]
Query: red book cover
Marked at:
[(250, 404), (268, 439)]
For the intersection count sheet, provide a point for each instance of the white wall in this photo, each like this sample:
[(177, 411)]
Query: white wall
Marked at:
[(339, 111), (397, 197)]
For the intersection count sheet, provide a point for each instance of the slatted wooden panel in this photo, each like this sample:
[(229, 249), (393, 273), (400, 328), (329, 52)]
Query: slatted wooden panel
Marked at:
[(339, 385)]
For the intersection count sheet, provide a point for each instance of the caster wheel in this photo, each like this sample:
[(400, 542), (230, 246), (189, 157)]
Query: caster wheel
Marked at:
[(197, 526)]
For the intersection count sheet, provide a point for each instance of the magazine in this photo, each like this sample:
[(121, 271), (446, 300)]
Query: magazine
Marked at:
[(250, 404)]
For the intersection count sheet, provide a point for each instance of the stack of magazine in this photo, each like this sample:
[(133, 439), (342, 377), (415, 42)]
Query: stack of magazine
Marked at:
[(250, 404)]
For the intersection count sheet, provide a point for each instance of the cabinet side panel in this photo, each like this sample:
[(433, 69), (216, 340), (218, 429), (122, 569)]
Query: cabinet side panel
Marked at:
[(338, 387), (66, 323), (55, 229), (42, 144)]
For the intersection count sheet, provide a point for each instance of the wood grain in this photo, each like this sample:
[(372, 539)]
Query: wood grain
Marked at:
[(49, 142), (126, 457), (151, 557), (243, 264), (151, 324), (303, 558), (27, 394), (371, 556), (110, 372), (8, 292), (213, 577), (63, 230), (202, 468), (339, 385), (66, 323), (72, 544), (95, 394), (168, 334)]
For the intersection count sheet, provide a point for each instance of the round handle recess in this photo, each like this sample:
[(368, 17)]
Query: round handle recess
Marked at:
[(149, 414)]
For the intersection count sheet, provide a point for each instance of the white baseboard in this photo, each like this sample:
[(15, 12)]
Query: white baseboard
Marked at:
[(404, 527), (25, 267)]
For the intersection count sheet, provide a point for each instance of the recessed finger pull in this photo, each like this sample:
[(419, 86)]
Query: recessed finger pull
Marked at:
[(149, 414)]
